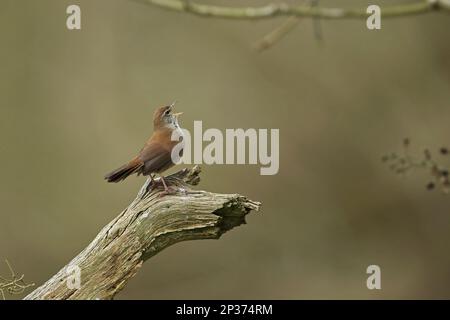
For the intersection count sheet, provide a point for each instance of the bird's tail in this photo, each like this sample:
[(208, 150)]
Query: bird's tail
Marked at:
[(124, 171)]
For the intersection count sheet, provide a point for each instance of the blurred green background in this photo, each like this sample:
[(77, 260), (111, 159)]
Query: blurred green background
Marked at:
[(76, 104)]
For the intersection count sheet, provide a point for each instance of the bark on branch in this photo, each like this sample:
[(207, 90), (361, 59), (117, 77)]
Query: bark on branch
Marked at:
[(147, 226)]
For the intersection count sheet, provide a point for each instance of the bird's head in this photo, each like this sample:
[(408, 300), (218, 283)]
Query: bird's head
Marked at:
[(164, 117)]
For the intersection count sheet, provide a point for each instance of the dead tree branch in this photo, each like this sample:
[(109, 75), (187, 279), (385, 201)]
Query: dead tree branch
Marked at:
[(148, 225)]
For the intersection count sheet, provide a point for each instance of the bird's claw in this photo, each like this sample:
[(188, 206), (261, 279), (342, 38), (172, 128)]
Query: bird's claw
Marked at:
[(167, 192)]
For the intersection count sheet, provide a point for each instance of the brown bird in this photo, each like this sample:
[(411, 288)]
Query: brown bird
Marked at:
[(156, 155)]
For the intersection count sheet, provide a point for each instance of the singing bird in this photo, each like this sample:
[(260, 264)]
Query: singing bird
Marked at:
[(156, 155)]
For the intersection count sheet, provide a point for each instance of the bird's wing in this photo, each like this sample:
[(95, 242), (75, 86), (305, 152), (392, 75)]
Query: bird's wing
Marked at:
[(155, 157)]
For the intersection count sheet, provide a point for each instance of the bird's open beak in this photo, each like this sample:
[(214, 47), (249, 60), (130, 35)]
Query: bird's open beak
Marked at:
[(178, 114)]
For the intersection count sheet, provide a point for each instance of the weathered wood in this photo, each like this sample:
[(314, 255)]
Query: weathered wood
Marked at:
[(148, 225)]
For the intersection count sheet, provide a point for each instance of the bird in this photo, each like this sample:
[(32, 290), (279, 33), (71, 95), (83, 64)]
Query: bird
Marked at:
[(155, 157)]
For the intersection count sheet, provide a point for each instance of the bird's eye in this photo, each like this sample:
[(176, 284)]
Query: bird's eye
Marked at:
[(166, 112)]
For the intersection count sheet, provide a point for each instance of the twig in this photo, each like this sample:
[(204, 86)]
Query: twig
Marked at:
[(277, 34), (404, 163), (15, 285), (317, 26)]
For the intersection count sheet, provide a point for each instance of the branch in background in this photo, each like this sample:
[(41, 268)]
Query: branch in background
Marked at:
[(14, 285), (295, 12), (280, 9), (404, 163), (150, 224)]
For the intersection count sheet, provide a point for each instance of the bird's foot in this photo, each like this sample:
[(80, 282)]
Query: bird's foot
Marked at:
[(160, 183), (168, 191), (152, 186), (155, 184)]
